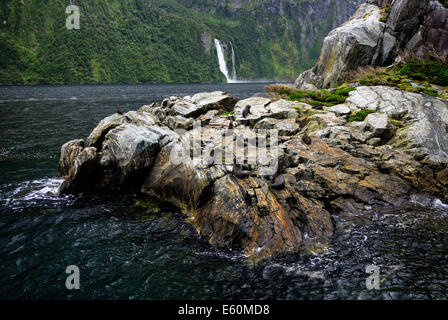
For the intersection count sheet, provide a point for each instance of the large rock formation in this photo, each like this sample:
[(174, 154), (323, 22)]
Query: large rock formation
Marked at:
[(315, 164), (375, 36), (343, 168)]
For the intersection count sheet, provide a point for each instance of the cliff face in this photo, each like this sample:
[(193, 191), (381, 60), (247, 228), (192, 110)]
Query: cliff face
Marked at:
[(273, 38), (163, 40), (376, 34)]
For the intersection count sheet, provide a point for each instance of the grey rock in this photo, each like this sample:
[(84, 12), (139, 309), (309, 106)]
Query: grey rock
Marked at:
[(323, 120), (375, 35), (69, 151), (377, 122), (397, 151), (209, 116), (120, 150), (346, 48), (178, 122), (285, 127), (340, 110), (97, 136), (282, 109), (201, 103), (257, 105), (425, 119), (84, 172)]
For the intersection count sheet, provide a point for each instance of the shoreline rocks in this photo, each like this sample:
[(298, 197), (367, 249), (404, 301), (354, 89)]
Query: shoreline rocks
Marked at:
[(396, 152), (201, 153)]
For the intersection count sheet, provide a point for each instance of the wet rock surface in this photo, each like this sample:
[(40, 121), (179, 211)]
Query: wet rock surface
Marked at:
[(327, 165)]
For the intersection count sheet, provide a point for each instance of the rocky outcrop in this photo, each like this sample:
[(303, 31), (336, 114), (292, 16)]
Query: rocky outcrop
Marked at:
[(116, 154), (421, 120), (375, 35), (323, 164), (432, 36), (352, 45)]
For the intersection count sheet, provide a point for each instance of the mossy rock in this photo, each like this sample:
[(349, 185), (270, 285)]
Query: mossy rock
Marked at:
[(361, 115), (150, 204), (319, 98), (228, 113), (425, 73), (430, 71), (397, 123)]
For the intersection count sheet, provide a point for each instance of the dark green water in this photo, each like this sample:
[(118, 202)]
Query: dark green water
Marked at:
[(125, 253)]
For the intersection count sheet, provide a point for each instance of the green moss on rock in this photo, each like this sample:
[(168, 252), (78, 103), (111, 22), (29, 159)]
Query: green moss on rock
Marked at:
[(361, 115), (429, 71), (323, 97), (413, 76)]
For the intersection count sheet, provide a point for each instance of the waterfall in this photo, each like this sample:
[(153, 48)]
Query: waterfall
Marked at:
[(233, 63), (223, 63)]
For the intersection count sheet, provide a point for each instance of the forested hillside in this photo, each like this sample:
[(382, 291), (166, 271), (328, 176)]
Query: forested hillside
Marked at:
[(130, 41)]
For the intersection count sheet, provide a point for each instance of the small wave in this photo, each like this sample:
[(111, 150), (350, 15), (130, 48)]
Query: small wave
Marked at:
[(30, 193), (43, 99), (428, 202), (39, 189), (228, 254), (438, 204)]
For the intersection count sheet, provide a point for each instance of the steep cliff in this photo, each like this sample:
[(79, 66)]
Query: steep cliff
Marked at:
[(275, 37), (162, 40), (376, 35)]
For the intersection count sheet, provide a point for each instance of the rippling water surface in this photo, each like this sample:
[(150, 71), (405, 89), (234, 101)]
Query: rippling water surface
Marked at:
[(125, 251)]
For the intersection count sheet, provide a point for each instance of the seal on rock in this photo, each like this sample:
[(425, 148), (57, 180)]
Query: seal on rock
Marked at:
[(246, 111), (239, 172), (306, 139), (278, 182)]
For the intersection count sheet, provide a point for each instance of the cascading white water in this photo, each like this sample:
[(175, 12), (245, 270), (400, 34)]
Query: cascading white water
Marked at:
[(223, 64), (233, 63)]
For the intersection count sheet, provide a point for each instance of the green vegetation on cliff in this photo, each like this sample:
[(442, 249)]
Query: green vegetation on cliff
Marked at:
[(361, 115), (418, 76), (316, 98), (132, 41), (119, 41)]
